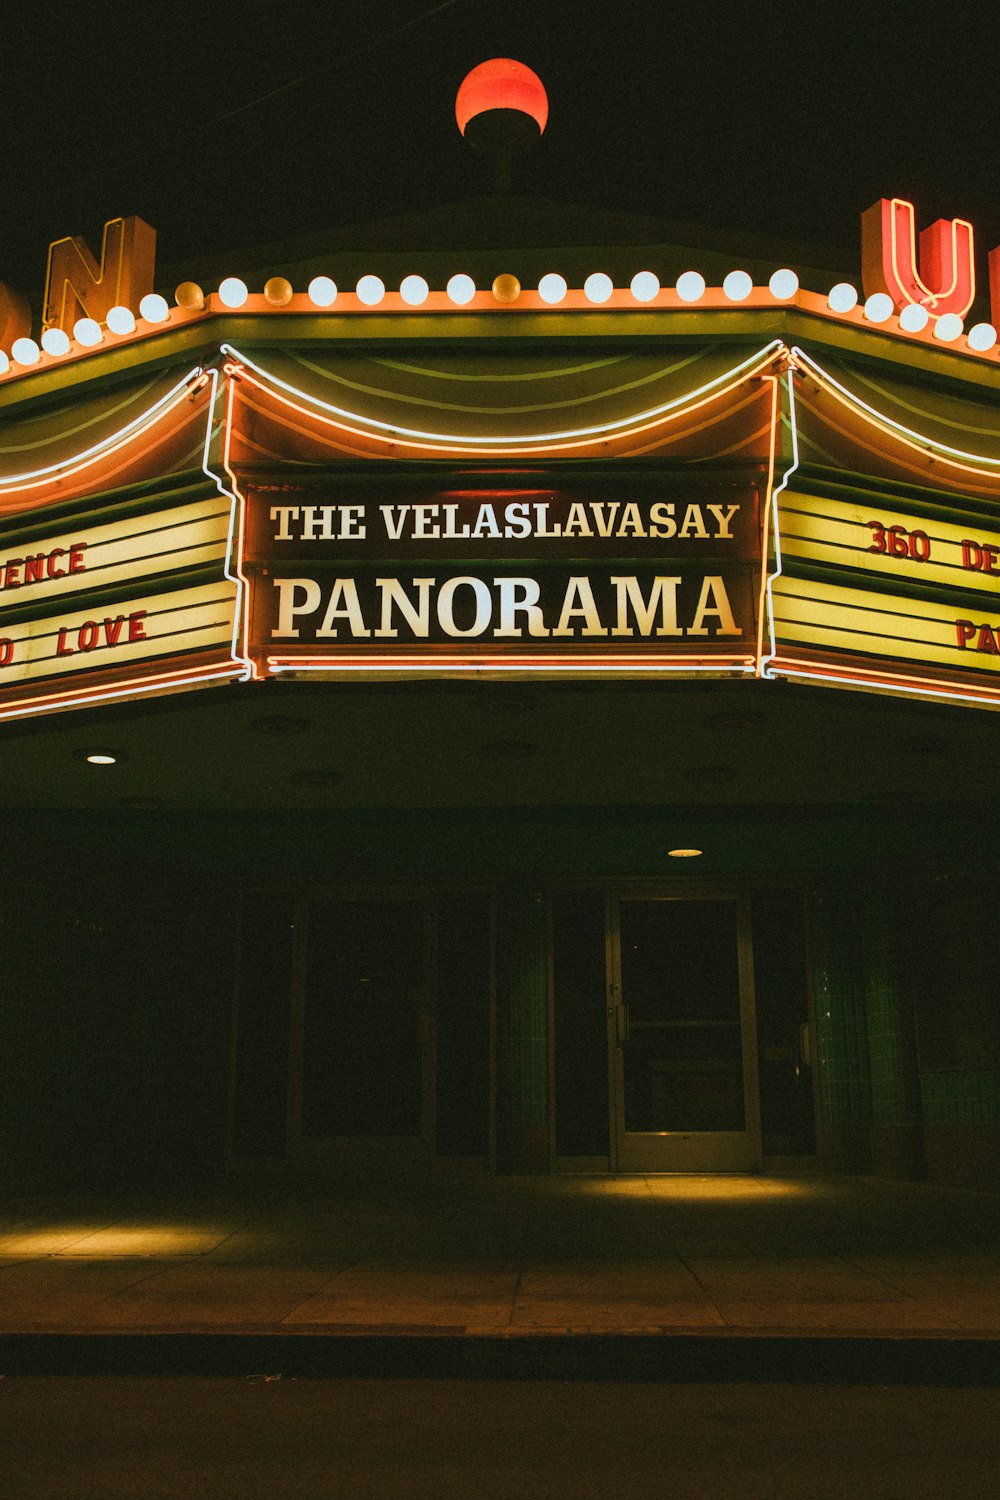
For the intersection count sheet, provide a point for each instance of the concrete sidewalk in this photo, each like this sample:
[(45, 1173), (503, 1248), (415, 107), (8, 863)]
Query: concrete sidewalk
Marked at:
[(489, 1257)]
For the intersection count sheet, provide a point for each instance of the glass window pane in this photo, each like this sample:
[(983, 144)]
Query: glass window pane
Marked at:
[(683, 1061)]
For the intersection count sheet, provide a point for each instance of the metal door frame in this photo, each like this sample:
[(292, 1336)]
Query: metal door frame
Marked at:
[(696, 1151)]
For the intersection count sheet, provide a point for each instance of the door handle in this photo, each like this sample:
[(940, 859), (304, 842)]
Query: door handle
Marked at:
[(622, 1024)]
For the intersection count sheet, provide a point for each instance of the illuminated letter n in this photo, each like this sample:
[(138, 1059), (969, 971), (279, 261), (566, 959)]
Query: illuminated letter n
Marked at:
[(77, 287)]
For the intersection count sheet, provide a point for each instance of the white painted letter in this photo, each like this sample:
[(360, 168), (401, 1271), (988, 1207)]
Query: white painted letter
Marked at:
[(663, 593), (287, 607), (393, 593), (714, 601), (484, 607), (519, 596), (344, 605)]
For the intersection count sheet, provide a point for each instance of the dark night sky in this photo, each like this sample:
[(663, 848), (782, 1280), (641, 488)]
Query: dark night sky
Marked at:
[(785, 117)]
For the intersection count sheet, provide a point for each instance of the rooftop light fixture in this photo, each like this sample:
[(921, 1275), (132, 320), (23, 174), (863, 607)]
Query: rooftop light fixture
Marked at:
[(322, 291), (914, 318), (55, 341), (552, 288), (879, 307), (948, 327), (461, 289), (154, 308), (121, 320), (982, 337), (370, 290), (842, 298), (690, 286), (644, 286), (232, 292), (88, 332), (783, 284), (737, 286), (414, 290), (598, 287)]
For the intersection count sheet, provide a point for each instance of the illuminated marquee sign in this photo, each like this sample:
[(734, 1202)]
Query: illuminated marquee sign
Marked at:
[(864, 578), (91, 301), (666, 572), (103, 598)]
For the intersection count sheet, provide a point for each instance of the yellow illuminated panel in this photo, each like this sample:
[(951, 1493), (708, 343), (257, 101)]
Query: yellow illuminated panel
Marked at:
[(873, 539), (92, 557), (827, 617), (118, 635)]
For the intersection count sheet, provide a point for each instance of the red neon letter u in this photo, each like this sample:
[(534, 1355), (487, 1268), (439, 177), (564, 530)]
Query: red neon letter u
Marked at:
[(945, 279)]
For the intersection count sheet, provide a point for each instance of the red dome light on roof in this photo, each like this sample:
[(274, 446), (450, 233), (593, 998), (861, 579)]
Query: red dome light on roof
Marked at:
[(501, 83)]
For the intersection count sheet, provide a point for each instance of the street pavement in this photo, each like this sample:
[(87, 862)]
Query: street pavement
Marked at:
[(508, 1258), (266, 1438)]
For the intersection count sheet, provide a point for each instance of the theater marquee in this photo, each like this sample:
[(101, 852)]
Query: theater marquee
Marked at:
[(131, 601), (644, 573)]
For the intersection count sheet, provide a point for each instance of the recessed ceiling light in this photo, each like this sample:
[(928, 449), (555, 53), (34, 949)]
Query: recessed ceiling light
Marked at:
[(684, 853), (100, 757)]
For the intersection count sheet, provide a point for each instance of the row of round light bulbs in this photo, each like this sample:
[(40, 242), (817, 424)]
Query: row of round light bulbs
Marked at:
[(370, 291), (461, 289), (552, 289), (914, 318)]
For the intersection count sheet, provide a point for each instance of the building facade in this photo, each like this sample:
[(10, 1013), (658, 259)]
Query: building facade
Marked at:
[(543, 703)]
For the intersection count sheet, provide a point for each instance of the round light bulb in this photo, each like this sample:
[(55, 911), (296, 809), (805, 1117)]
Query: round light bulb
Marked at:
[(322, 291), (4, 363), (737, 286), (914, 318), (982, 337), (232, 292), (948, 327), (598, 287), (506, 287), (55, 341), (88, 332), (370, 290), (277, 291), (190, 296), (783, 284), (120, 320), (461, 289), (552, 288), (843, 297), (690, 286), (25, 351), (879, 307), (154, 308), (644, 286), (414, 290)]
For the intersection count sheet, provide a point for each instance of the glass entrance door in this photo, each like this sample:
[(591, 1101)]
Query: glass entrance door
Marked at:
[(359, 1087), (682, 1034)]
